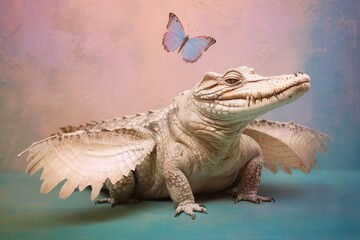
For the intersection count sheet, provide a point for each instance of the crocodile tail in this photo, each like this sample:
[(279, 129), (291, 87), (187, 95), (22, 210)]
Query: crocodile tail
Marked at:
[(287, 145)]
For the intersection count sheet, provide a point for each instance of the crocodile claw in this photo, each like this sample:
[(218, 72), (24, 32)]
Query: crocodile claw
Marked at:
[(106, 200), (252, 198), (189, 209), (113, 202)]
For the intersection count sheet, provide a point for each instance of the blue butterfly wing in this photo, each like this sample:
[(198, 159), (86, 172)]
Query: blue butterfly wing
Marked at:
[(175, 35), (195, 46)]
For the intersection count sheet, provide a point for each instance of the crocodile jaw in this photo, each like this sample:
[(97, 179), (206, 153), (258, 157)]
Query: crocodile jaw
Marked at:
[(253, 96), (258, 101)]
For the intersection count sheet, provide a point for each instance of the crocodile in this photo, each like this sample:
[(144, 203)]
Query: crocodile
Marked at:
[(207, 140)]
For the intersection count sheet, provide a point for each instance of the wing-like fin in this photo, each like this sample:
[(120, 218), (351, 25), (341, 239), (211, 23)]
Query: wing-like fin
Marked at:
[(67, 189), (96, 188), (50, 183), (88, 158), (287, 145)]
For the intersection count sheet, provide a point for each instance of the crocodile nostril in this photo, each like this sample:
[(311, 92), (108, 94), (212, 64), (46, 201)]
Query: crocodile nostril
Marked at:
[(295, 74), (301, 72)]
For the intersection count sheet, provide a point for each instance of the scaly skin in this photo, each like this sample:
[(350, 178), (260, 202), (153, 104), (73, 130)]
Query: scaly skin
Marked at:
[(199, 145)]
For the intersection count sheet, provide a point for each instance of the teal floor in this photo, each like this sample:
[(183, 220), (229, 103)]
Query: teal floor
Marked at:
[(322, 205)]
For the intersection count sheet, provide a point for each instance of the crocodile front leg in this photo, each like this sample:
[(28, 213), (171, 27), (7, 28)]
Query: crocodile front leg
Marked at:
[(180, 192), (178, 185), (250, 181)]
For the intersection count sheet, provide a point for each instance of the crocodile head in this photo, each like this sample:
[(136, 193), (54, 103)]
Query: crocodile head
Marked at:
[(242, 94)]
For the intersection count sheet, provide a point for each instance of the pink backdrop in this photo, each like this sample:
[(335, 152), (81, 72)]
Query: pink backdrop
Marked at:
[(68, 62)]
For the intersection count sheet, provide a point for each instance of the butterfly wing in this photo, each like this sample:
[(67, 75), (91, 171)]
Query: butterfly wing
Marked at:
[(175, 35), (195, 46)]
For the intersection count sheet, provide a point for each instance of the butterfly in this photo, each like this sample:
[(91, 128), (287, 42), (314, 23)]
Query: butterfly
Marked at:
[(192, 47)]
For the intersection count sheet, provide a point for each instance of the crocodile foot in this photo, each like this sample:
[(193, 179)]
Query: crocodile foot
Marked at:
[(190, 208), (252, 198), (113, 201)]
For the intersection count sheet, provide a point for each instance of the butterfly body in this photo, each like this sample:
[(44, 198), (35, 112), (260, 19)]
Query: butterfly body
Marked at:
[(175, 37), (183, 43)]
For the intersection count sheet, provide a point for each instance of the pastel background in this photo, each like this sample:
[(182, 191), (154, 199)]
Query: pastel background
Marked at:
[(69, 62)]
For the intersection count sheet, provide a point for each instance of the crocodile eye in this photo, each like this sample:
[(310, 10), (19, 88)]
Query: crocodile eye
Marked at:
[(232, 81), (233, 77)]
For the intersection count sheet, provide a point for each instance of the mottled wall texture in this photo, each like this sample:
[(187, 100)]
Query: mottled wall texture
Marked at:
[(73, 61)]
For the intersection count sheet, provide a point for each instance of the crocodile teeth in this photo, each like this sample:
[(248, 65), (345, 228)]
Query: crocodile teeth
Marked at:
[(253, 99)]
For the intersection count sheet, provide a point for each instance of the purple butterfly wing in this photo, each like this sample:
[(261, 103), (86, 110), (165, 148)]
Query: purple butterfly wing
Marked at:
[(175, 35), (195, 46)]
